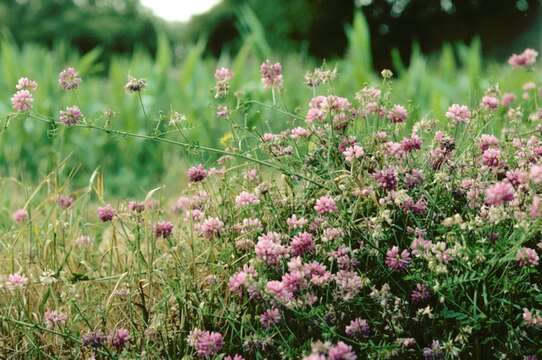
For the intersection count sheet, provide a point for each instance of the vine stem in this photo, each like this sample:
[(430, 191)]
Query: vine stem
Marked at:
[(185, 145)]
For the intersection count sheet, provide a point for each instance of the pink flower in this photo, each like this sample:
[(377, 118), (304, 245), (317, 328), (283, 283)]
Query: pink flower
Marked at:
[(499, 193), (69, 79), (222, 112), (16, 281), (536, 174), (349, 284), (268, 137), (531, 319), (325, 205), (53, 318), (234, 357), (246, 198), (163, 229), (397, 261), (211, 227), (507, 99), (358, 327), (119, 338), (241, 279), (22, 101), (487, 141), (536, 208), (269, 250), (491, 157), (341, 351), (353, 152), (25, 83), (207, 344), (387, 178), (223, 74), (315, 357), (296, 223), (517, 177), (136, 207), (315, 114), (414, 178), (458, 113), (270, 317), (106, 213), (196, 173), (71, 116), (489, 102), (302, 243), (397, 114), (20, 215), (299, 132), (223, 77), (65, 201), (420, 294), (527, 257), (318, 273), (271, 74), (412, 143), (526, 58), (278, 290)]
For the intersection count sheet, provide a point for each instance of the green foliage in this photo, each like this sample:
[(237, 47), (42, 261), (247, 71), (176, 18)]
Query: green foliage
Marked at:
[(184, 84)]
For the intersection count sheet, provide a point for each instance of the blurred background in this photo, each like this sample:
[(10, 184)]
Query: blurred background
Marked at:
[(441, 51)]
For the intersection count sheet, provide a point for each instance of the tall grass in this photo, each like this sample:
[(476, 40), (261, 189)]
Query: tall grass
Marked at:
[(181, 81)]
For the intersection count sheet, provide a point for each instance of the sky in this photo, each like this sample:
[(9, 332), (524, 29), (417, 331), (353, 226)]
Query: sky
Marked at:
[(179, 10)]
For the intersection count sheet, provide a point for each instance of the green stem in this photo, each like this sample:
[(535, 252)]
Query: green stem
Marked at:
[(190, 146)]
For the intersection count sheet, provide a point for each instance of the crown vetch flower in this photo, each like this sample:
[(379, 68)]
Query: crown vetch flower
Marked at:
[(69, 79), (25, 83), (526, 58), (489, 102), (499, 193), (269, 249), (353, 152), (119, 338), (459, 113), (53, 318), (397, 260), (163, 229), (527, 257), (196, 173), (22, 101), (94, 339), (71, 115), (358, 327), (398, 114), (325, 205), (106, 213), (302, 243), (207, 344), (211, 227), (270, 317), (245, 198), (271, 74), (341, 351), (16, 281), (20, 215)]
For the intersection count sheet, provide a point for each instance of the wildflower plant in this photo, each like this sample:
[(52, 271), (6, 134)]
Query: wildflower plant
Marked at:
[(357, 231)]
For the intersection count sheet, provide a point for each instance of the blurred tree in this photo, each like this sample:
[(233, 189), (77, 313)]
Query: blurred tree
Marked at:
[(318, 25), (113, 25)]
